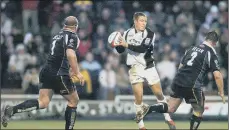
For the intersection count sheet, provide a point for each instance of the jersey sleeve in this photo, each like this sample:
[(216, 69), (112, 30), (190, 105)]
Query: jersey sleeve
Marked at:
[(71, 42), (213, 62)]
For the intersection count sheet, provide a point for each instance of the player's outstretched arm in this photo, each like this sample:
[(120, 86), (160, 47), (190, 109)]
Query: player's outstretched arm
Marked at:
[(219, 82), (75, 72)]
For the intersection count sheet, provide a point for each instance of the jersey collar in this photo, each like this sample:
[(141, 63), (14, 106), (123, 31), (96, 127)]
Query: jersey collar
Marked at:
[(209, 46)]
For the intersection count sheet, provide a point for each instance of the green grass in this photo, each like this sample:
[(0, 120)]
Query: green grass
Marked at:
[(43, 124)]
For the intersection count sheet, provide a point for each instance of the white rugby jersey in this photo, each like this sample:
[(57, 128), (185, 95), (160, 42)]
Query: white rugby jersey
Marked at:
[(132, 37)]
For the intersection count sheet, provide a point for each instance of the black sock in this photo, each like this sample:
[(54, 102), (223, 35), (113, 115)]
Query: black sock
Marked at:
[(160, 108), (26, 106), (195, 122), (70, 117)]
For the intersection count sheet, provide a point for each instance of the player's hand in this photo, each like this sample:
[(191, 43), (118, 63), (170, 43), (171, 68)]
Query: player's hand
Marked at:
[(78, 77), (221, 94), (122, 42)]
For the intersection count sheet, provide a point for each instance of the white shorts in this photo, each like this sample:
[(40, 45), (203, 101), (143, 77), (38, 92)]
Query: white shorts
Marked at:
[(138, 74)]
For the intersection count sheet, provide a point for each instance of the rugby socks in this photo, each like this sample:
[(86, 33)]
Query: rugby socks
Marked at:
[(138, 108), (195, 122), (26, 106), (70, 117), (160, 108)]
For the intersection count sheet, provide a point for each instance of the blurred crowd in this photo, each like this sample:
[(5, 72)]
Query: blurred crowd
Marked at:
[(27, 28)]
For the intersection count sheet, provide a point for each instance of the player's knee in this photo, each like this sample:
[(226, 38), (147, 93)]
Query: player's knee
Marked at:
[(43, 103), (73, 101)]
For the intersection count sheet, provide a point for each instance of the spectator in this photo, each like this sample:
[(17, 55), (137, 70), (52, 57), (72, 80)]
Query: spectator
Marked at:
[(120, 22), (89, 63), (20, 59), (122, 86), (107, 80), (6, 25), (166, 75), (105, 17), (67, 11), (100, 35), (30, 82), (85, 43), (85, 23), (212, 15), (30, 11)]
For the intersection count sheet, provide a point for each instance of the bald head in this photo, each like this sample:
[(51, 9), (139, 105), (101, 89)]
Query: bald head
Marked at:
[(71, 21)]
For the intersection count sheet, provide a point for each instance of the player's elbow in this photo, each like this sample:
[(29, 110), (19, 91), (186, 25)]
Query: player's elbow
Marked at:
[(217, 75)]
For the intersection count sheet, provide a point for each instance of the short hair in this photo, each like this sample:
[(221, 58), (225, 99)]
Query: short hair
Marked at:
[(212, 36), (138, 14)]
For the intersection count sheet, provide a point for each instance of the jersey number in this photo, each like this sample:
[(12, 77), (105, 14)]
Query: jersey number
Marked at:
[(53, 46), (190, 62)]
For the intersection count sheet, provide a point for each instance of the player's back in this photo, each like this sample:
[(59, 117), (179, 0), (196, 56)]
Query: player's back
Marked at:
[(57, 62), (197, 61)]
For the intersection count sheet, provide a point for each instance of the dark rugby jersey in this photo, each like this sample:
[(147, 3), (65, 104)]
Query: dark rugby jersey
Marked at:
[(197, 62), (57, 62)]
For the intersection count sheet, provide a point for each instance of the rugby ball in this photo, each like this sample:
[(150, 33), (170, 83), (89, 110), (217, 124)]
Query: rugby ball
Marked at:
[(113, 39)]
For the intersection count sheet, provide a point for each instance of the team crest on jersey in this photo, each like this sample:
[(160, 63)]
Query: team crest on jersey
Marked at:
[(71, 40), (71, 44)]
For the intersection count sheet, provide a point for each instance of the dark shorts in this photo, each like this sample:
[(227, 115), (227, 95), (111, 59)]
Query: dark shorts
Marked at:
[(59, 84), (191, 95)]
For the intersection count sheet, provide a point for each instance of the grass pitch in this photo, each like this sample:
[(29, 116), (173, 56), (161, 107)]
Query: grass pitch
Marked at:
[(101, 124)]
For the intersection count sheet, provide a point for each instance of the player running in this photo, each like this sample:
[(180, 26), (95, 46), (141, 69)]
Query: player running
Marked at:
[(139, 42), (188, 82), (56, 76)]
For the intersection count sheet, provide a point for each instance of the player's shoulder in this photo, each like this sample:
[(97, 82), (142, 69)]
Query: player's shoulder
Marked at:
[(130, 30), (208, 48)]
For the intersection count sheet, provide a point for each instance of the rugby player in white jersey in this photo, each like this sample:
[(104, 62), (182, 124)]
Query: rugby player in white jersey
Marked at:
[(138, 42)]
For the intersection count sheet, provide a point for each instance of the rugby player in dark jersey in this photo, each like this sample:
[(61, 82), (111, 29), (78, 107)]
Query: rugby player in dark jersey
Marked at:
[(188, 82), (57, 75)]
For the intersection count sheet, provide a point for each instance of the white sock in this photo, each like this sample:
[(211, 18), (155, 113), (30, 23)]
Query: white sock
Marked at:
[(166, 115), (141, 124), (138, 107)]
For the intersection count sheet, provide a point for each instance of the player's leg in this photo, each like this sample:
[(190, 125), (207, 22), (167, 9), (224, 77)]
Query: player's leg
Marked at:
[(162, 107), (198, 109), (154, 81), (138, 94), (45, 96), (70, 112), (68, 91), (137, 86)]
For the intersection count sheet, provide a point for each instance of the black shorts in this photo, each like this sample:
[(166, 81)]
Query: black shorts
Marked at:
[(191, 95), (59, 84)]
